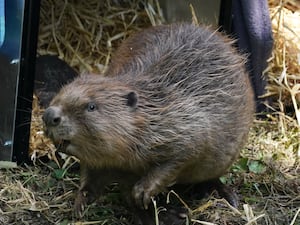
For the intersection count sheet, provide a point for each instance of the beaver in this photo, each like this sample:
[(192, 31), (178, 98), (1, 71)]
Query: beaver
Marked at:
[(133, 55), (176, 109)]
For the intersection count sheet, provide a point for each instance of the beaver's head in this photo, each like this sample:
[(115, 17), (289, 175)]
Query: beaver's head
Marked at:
[(92, 117)]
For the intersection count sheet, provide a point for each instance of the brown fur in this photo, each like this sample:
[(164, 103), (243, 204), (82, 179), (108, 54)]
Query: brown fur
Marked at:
[(176, 107)]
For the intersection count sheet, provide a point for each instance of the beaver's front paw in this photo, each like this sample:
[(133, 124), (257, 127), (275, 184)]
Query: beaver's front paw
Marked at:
[(81, 202), (143, 192)]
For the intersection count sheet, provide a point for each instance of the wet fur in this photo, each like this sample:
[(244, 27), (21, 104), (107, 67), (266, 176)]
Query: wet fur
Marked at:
[(175, 106)]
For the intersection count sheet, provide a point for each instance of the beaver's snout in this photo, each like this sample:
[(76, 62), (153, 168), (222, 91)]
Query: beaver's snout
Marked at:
[(52, 116)]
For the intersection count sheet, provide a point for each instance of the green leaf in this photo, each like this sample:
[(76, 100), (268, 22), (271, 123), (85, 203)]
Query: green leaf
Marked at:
[(223, 180), (256, 167), (251, 200), (241, 165), (65, 222), (59, 173)]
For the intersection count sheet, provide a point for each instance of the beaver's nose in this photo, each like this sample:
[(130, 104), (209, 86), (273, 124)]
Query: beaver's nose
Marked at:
[(52, 116)]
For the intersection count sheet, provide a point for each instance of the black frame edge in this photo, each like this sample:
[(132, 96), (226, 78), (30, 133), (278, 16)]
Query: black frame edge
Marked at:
[(26, 81), (225, 16)]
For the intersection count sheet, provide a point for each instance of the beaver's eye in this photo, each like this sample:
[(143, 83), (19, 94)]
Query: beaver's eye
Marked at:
[(91, 107)]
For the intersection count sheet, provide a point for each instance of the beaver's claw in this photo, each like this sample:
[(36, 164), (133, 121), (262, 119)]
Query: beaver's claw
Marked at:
[(142, 194), (80, 204)]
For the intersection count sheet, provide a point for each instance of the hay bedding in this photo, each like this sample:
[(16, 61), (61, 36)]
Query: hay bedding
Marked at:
[(283, 73), (84, 33), (266, 174)]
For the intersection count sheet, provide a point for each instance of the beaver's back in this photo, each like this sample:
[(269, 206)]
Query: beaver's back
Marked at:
[(194, 89)]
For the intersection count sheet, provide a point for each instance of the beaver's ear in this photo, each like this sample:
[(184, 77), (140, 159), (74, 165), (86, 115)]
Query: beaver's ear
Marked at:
[(132, 99)]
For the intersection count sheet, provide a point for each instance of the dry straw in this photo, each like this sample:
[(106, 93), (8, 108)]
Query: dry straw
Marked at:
[(283, 72), (84, 33)]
